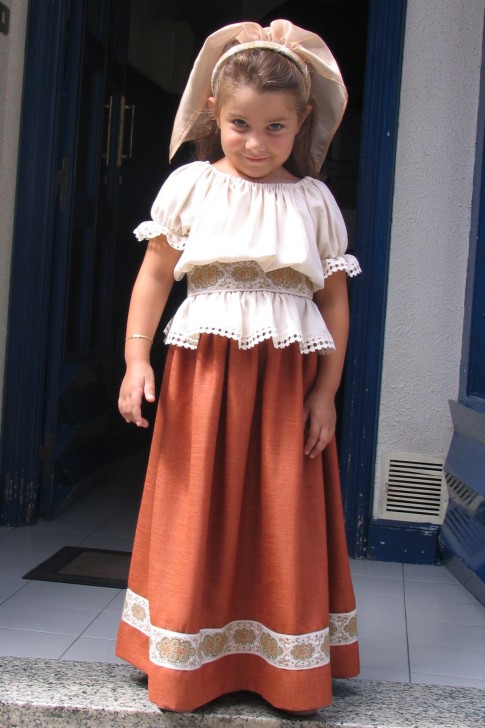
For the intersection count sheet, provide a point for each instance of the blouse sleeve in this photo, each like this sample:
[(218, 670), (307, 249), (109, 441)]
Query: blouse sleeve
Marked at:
[(332, 237), (174, 207)]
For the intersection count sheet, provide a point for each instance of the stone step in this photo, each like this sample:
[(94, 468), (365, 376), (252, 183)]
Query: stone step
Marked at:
[(38, 693)]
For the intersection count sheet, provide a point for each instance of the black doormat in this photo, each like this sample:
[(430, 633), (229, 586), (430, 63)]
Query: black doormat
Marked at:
[(91, 567)]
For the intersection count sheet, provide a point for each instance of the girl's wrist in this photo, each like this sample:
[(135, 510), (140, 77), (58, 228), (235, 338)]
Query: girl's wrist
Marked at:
[(325, 388), (137, 347), (324, 395), (133, 359)]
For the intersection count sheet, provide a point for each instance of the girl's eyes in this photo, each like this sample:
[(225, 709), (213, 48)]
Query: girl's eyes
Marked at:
[(241, 124)]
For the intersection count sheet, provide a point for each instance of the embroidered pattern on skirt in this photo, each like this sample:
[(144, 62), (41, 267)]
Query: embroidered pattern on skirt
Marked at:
[(246, 276), (182, 651)]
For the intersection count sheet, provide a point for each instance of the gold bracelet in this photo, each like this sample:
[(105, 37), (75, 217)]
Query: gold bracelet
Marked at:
[(139, 336)]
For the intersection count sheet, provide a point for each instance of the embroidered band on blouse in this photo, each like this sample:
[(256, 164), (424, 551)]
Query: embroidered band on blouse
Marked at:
[(246, 276)]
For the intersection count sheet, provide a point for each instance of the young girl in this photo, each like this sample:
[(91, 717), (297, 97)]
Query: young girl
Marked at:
[(240, 577)]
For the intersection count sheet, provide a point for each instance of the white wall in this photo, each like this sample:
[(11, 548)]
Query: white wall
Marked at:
[(431, 224), (11, 74)]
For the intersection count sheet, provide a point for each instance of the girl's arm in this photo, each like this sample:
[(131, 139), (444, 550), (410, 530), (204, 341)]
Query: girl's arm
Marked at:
[(150, 293), (320, 413)]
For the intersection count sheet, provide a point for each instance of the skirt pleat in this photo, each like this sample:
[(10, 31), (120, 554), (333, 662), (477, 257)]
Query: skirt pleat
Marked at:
[(239, 577)]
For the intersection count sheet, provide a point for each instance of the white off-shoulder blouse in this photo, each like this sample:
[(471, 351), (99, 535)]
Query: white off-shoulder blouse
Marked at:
[(253, 252)]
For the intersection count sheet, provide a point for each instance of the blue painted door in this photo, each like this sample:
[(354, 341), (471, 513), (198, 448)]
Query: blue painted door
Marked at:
[(79, 397), (74, 259)]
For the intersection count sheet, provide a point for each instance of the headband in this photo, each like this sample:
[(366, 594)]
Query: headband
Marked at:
[(268, 45), (328, 92)]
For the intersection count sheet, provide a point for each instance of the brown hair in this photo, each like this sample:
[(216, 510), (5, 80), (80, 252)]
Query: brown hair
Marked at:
[(265, 71)]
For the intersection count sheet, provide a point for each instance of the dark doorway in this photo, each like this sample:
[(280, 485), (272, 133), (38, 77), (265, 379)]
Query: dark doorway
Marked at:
[(74, 258)]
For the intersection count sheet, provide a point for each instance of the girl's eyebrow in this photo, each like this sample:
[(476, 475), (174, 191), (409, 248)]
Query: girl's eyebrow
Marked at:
[(277, 120)]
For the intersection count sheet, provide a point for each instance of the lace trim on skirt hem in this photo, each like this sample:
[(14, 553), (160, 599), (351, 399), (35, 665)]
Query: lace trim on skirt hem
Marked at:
[(182, 651)]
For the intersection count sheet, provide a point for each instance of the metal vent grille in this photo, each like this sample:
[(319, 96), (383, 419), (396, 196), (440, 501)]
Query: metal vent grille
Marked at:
[(414, 488), (463, 493)]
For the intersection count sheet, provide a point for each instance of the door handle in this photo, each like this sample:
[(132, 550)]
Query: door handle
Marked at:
[(109, 107), (121, 139)]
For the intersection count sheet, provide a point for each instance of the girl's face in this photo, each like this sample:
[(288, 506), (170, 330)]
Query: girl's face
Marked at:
[(257, 133)]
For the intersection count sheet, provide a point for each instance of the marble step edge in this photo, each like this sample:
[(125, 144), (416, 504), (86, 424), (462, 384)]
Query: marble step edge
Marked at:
[(39, 693)]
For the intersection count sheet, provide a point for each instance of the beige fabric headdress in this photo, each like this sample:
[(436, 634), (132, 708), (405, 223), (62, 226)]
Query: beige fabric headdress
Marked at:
[(329, 95)]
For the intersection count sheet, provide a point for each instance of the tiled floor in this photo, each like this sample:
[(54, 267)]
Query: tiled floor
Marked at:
[(416, 623)]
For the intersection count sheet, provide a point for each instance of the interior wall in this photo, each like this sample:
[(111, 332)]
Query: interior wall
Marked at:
[(161, 49), (431, 224), (164, 37), (255, 9), (11, 74)]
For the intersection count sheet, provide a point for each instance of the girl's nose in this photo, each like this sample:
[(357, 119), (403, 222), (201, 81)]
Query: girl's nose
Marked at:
[(256, 142)]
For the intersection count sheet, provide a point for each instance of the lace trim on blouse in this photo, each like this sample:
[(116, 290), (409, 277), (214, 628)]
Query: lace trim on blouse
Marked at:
[(317, 343), (246, 276), (347, 263), (219, 293), (148, 230)]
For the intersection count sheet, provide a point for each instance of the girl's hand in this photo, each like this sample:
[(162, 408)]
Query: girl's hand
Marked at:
[(320, 420), (150, 293), (138, 382), (320, 413)]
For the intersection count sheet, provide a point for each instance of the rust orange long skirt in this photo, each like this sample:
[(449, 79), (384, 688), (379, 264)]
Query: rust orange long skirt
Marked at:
[(239, 577)]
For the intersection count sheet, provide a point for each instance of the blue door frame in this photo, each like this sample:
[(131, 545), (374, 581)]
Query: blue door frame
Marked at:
[(31, 273), (372, 246), (25, 371)]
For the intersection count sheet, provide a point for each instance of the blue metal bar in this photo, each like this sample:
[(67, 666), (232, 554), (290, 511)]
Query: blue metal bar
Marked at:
[(369, 291)]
